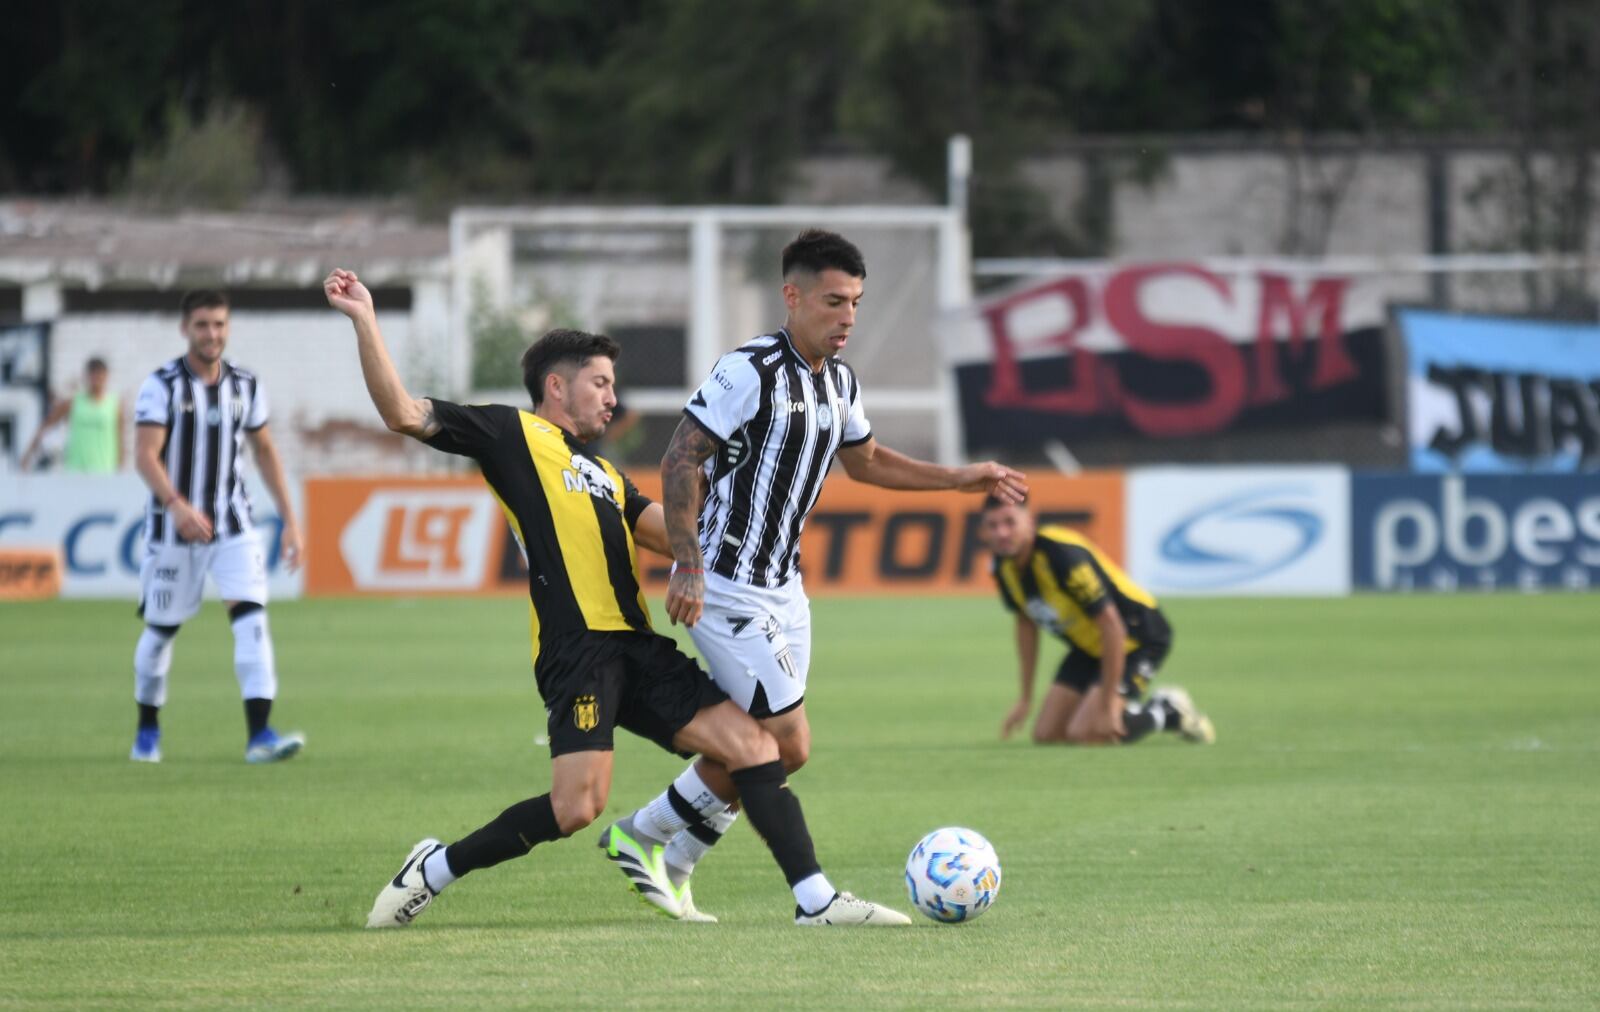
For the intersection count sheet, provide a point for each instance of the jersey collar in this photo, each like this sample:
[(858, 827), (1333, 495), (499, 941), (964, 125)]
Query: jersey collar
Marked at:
[(222, 373), (800, 360)]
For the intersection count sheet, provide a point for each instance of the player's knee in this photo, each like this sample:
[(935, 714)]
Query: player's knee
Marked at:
[(239, 609), (576, 809), (794, 750), (1050, 736), (1076, 735), (749, 744)]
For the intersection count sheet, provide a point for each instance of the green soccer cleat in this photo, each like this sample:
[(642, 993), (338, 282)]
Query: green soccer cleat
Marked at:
[(641, 860)]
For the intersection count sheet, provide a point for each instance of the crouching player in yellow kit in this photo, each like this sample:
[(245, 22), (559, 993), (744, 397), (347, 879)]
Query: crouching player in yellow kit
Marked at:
[(1056, 578)]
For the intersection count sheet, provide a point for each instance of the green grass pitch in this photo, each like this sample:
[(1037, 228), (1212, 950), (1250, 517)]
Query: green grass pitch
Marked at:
[(1403, 810)]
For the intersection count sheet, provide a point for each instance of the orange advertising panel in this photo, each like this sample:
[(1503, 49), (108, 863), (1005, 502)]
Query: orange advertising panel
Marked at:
[(433, 536), (29, 574), (403, 536)]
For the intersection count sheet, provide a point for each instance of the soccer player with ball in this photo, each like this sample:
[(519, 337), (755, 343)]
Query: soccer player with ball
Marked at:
[(742, 472), (1056, 578), (597, 661)]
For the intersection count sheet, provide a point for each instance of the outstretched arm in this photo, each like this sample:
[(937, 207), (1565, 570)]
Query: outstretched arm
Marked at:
[(399, 410), (683, 490), (878, 465), (57, 414)]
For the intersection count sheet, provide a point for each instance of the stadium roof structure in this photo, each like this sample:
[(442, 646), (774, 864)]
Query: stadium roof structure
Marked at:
[(99, 244)]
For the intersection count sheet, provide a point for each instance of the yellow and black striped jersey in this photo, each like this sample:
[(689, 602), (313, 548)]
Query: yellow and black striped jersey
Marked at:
[(1065, 582), (572, 512)]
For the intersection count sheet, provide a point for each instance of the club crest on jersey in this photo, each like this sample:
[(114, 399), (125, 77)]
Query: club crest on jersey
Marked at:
[(1043, 614), (585, 713), (586, 476)]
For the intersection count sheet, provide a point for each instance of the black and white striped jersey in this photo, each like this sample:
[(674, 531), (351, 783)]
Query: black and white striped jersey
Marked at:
[(204, 449), (778, 426)]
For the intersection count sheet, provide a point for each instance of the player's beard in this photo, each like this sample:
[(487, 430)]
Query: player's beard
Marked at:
[(588, 428)]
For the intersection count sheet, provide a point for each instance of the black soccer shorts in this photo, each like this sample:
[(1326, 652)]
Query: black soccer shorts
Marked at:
[(1080, 671), (592, 682)]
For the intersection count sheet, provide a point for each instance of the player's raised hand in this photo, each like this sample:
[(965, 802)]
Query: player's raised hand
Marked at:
[(347, 294), (996, 479)]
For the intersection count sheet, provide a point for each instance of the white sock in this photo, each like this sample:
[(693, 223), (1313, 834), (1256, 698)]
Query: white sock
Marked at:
[(658, 820), (661, 820), (252, 656), (685, 850), (152, 659), (436, 871), (692, 788), (814, 892), (1157, 708)]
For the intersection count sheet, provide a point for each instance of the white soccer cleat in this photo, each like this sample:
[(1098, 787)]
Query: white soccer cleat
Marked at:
[(693, 914), (1192, 724), (642, 861), (269, 746), (848, 909), (407, 894)]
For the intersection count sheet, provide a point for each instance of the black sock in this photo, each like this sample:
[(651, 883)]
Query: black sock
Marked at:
[(256, 712), (149, 716), (775, 813), (1137, 725), (513, 833)]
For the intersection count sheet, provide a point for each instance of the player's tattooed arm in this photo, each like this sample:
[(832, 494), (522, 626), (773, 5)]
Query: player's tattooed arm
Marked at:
[(682, 494)]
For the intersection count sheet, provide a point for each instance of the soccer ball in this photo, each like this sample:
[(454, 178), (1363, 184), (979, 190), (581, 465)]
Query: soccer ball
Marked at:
[(953, 875)]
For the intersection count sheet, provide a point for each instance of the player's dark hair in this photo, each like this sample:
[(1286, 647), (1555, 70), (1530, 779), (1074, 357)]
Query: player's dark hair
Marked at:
[(560, 348), (96, 364), (201, 298), (993, 502), (816, 250)]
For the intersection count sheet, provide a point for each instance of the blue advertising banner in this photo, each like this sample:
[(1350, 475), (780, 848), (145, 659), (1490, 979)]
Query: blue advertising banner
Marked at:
[(1489, 532), (1493, 394)]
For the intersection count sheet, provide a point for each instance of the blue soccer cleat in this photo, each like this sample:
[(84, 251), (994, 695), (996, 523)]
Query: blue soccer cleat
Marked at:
[(146, 745), (269, 746)]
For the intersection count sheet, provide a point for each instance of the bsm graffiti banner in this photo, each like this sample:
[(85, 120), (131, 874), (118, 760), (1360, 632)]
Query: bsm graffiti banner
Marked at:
[(1163, 351)]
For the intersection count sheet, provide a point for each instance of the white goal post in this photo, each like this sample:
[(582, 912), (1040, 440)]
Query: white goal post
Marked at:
[(692, 283)]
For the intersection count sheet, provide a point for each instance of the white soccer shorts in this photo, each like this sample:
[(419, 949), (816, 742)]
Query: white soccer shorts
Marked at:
[(173, 577), (752, 636)]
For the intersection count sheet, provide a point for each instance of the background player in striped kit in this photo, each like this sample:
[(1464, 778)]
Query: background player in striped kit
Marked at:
[(194, 415), (739, 478)]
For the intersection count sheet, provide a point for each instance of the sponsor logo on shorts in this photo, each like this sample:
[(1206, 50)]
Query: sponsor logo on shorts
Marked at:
[(585, 713)]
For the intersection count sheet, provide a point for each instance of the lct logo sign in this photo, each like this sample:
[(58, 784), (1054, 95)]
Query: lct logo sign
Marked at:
[(401, 536)]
